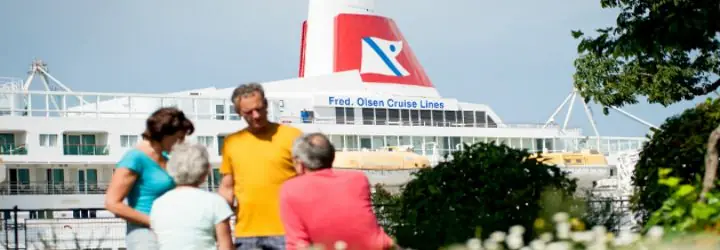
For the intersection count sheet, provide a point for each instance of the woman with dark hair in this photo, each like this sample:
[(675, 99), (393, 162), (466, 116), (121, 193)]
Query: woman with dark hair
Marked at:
[(140, 176)]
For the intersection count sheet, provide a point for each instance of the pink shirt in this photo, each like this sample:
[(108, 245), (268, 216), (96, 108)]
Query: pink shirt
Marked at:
[(326, 206)]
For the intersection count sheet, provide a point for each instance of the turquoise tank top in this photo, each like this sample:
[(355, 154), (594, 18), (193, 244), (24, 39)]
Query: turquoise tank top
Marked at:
[(153, 181)]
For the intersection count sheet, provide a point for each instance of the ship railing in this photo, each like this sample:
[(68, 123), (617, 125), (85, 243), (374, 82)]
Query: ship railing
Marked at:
[(85, 149), (65, 188), (15, 102), (45, 188)]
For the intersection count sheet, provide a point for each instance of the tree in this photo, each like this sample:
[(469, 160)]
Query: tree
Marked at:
[(679, 146), (667, 51), (488, 185)]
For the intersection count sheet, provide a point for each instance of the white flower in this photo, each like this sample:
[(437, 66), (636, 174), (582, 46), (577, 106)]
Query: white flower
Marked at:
[(559, 245), (515, 241), (519, 230), (537, 244), (563, 230), (497, 236), (491, 245), (474, 244), (582, 236), (546, 237), (560, 217)]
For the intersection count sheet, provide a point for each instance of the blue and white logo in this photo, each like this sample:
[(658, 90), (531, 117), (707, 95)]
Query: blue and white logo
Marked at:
[(379, 56)]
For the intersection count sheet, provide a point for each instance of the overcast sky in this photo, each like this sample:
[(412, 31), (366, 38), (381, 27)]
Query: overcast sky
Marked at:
[(515, 56)]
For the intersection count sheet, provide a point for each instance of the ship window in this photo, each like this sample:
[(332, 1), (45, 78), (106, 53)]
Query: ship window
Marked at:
[(480, 119), (425, 118), (220, 142), (233, 115), (127, 141), (468, 118), (220, 112), (491, 123), (48, 140), (339, 115), (451, 117), (380, 116), (394, 117), (368, 116), (437, 117), (350, 115), (206, 141), (344, 115), (405, 117)]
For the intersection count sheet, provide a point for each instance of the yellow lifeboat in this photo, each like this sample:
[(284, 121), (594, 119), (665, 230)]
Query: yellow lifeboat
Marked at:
[(387, 158), (574, 159)]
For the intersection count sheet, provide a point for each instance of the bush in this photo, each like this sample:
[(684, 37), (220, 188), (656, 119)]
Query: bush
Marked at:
[(679, 145), (485, 187)]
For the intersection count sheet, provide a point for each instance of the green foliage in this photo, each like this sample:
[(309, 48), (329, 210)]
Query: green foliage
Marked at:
[(665, 50), (484, 188), (682, 212), (678, 145)]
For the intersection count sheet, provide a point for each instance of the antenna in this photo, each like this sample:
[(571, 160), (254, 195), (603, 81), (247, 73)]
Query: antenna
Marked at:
[(571, 98), (38, 67)]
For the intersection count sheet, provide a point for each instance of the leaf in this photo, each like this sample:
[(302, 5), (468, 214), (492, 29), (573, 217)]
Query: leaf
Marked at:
[(663, 172), (670, 182), (684, 190), (577, 34), (701, 211)]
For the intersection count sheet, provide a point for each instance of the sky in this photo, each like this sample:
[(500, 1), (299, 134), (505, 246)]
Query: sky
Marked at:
[(515, 56)]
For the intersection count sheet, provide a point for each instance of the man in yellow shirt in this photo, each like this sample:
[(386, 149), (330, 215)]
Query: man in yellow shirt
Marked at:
[(255, 163)]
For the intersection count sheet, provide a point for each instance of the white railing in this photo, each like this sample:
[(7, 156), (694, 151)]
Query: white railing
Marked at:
[(109, 105)]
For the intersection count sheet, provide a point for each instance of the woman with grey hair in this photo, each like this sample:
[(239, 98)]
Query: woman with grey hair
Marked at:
[(189, 217)]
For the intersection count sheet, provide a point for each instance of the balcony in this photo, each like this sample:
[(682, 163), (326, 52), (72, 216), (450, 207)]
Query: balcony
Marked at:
[(85, 149), (85, 143), (12, 149), (13, 143)]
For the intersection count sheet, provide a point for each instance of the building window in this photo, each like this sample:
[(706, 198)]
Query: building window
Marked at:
[(48, 140), (127, 141), (206, 141)]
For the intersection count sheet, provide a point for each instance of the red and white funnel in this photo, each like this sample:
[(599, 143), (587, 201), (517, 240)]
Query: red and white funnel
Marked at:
[(343, 35)]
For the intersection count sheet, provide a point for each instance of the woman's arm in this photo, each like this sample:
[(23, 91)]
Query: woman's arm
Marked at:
[(122, 181), (222, 235)]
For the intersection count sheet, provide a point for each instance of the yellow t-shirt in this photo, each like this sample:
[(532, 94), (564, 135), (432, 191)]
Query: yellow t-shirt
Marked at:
[(259, 165)]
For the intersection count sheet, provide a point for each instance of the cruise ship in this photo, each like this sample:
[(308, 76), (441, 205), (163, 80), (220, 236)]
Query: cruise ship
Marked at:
[(359, 82)]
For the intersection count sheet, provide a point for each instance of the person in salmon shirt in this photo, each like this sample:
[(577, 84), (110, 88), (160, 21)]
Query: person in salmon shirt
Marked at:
[(322, 206)]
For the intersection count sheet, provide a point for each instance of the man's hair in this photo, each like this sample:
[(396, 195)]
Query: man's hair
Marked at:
[(314, 150), (246, 90), (188, 164)]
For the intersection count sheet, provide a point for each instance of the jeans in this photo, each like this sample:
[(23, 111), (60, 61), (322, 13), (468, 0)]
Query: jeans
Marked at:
[(140, 238), (263, 242)]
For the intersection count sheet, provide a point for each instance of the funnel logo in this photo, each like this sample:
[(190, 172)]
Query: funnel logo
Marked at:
[(379, 56), (374, 46)]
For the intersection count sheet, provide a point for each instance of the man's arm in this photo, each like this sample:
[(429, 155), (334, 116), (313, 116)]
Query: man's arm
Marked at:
[(226, 169), (226, 188)]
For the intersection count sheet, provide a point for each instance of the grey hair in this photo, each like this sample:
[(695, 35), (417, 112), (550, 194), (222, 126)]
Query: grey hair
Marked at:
[(314, 150), (246, 90), (189, 164)]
